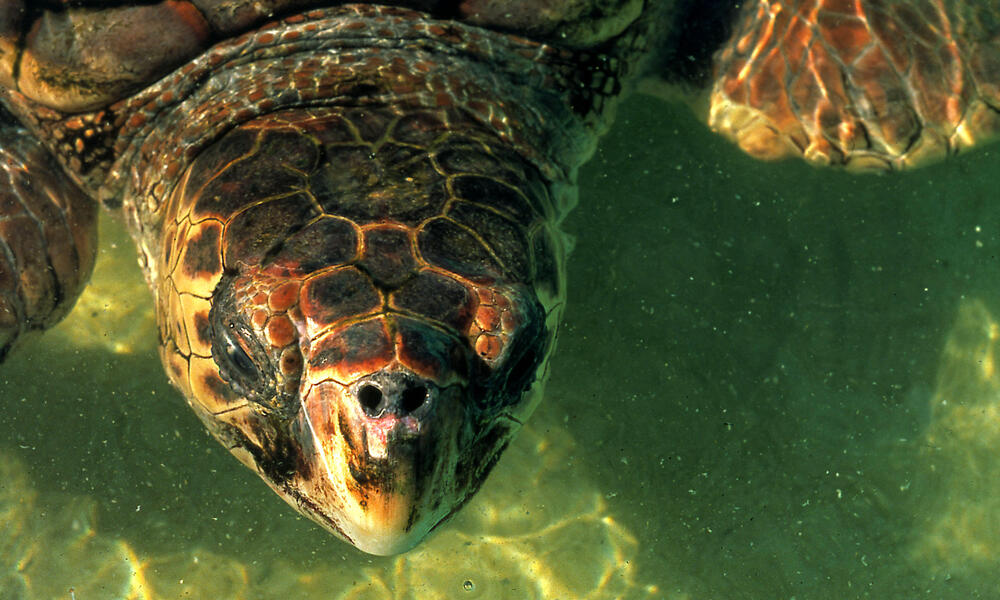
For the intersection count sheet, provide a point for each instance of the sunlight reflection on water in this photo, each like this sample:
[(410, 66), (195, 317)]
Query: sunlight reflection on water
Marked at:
[(963, 525), (565, 545)]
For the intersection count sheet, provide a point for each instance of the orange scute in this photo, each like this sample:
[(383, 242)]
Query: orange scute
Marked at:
[(280, 331), (283, 297)]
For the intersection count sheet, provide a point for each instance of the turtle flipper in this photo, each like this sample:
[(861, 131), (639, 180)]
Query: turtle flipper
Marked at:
[(872, 84), (48, 237)]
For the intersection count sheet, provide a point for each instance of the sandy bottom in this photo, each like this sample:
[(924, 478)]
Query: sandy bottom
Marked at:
[(773, 382)]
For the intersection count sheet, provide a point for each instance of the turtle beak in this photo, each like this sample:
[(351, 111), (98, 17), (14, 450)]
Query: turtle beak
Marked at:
[(386, 448)]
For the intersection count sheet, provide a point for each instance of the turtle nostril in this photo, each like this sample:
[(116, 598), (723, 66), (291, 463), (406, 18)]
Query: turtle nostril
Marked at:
[(398, 396), (413, 398), (370, 398)]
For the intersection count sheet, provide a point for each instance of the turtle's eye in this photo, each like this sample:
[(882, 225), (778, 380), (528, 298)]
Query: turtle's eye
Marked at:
[(237, 355), (242, 357)]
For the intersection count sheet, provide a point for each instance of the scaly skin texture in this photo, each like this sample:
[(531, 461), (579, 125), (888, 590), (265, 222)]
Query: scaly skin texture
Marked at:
[(349, 217), (357, 285), (85, 54), (358, 241), (48, 237), (349, 220), (874, 85)]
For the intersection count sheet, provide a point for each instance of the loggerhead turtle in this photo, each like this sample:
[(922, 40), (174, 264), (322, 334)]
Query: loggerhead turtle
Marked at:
[(348, 213)]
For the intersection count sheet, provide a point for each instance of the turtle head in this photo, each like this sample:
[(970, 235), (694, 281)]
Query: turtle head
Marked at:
[(375, 423), (369, 331)]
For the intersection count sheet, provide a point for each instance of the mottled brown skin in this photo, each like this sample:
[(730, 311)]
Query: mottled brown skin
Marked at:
[(48, 238), (357, 242), (869, 85), (92, 52), (349, 216), (353, 246)]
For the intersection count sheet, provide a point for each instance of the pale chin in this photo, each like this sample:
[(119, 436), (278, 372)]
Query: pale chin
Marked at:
[(395, 510), (388, 538)]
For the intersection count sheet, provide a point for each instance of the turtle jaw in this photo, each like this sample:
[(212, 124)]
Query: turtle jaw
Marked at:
[(382, 482)]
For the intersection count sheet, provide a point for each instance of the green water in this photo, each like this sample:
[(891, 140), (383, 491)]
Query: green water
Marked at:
[(772, 382)]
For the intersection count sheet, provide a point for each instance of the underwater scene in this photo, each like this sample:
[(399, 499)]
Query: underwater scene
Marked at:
[(773, 381)]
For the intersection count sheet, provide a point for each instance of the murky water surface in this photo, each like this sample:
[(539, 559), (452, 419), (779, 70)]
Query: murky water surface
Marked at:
[(772, 382)]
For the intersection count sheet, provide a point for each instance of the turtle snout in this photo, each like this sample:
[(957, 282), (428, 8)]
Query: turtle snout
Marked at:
[(395, 412), (397, 394)]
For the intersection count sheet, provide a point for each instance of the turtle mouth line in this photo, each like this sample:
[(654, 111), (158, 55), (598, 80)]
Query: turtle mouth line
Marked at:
[(320, 516)]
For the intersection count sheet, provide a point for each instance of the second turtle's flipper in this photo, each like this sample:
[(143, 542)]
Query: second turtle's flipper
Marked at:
[(873, 84), (48, 236)]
